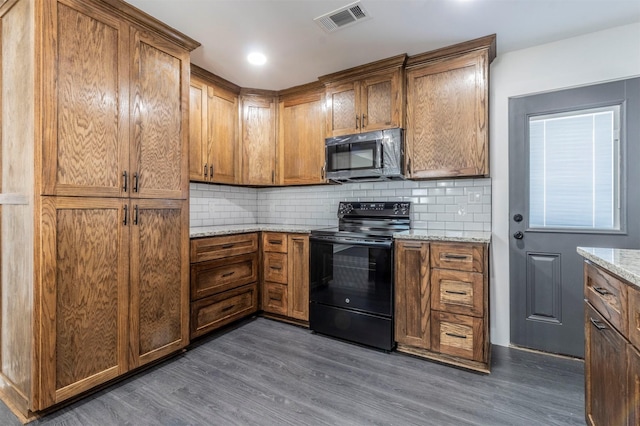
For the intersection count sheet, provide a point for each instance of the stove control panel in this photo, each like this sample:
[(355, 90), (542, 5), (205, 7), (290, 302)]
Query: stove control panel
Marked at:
[(373, 209)]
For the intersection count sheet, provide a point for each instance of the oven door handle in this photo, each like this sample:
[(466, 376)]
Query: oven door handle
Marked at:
[(353, 241)]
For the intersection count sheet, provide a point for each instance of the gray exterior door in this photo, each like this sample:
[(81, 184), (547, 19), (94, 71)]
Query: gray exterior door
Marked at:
[(574, 180)]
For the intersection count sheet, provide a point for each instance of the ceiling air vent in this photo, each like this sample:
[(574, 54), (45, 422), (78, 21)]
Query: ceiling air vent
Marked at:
[(343, 17)]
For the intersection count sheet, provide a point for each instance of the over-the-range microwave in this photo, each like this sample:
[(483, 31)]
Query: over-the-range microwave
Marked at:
[(370, 156)]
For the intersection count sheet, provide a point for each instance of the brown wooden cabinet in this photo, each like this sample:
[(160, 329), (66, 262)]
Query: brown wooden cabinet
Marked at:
[(95, 274), (285, 261), (365, 98), (612, 363), (224, 281), (447, 129), (213, 135), (301, 134), (442, 302), (258, 123)]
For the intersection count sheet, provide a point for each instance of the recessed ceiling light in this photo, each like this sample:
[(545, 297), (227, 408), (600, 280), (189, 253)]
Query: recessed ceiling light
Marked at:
[(256, 58)]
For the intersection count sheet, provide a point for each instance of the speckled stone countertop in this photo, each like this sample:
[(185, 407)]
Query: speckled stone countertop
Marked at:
[(625, 263), (450, 236), (213, 231)]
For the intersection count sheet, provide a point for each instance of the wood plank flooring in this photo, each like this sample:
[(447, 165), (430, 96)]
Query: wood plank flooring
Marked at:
[(264, 372)]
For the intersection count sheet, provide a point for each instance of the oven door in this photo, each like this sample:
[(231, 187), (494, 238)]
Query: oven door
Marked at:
[(349, 274)]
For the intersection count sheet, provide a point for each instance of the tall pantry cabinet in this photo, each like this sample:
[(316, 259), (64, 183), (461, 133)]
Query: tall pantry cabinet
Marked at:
[(93, 196)]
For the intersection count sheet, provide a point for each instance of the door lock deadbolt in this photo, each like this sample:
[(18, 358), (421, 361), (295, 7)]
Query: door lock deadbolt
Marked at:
[(517, 217)]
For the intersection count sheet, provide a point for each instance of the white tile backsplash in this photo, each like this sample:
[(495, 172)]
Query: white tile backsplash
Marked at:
[(440, 204)]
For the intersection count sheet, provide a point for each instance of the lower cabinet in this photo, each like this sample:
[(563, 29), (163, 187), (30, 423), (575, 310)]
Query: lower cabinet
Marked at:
[(115, 295), (285, 289), (441, 302), (612, 360), (224, 281)]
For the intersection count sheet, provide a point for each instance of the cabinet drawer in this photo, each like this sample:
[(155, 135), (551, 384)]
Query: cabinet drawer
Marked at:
[(634, 318), (274, 242), (210, 248), (221, 309), (275, 267), (458, 335), (216, 276), (458, 256), (457, 292), (274, 298), (608, 295)]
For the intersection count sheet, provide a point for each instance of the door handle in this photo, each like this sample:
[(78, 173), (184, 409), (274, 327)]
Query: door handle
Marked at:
[(518, 235)]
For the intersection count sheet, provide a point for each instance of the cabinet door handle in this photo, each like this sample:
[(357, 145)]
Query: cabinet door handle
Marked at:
[(599, 325), (456, 256), (462, 293), (363, 118), (459, 336), (228, 274), (276, 268), (125, 178), (601, 291), (206, 169), (135, 182), (357, 122), (273, 176), (126, 213), (228, 246), (211, 169), (135, 215), (322, 172), (409, 171)]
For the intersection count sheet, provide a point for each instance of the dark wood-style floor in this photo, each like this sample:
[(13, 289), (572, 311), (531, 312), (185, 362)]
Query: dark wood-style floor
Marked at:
[(263, 372)]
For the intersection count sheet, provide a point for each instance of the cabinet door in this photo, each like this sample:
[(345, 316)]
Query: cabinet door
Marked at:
[(605, 371), (634, 386), (343, 113), (222, 139), (447, 118), (159, 107), (298, 265), (198, 169), (412, 295), (85, 89), (381, 100), (258, 140), (159, 308), (301, 135), (85, 265)]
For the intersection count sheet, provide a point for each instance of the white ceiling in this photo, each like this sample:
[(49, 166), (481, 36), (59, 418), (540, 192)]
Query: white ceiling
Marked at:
[(299, 51)]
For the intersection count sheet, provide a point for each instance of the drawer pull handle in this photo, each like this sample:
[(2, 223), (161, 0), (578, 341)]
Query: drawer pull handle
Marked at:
[(275, 242), (277, 298), (601, 291), (227, 246), (228, 274), (228, 308), (412, 246), (456, 256), (598, 324), (277, 268), (459, 336), (462, 293)]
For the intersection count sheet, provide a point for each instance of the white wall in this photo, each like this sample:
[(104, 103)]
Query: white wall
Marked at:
[(593, 58)]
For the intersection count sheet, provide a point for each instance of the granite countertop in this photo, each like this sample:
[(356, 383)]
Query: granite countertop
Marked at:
[(213, 231), (623, 262), (450, 236)]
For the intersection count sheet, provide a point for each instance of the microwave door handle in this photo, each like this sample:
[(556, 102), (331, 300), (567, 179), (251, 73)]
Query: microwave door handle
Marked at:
[(379, 154)]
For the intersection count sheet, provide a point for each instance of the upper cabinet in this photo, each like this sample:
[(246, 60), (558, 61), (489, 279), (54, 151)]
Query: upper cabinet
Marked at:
[(113, 128), (447, 133), (365, 98), (258, 124), (213, 129), (301, 133)]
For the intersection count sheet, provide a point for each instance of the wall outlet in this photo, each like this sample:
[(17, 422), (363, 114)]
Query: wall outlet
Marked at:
[(475, 197)]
